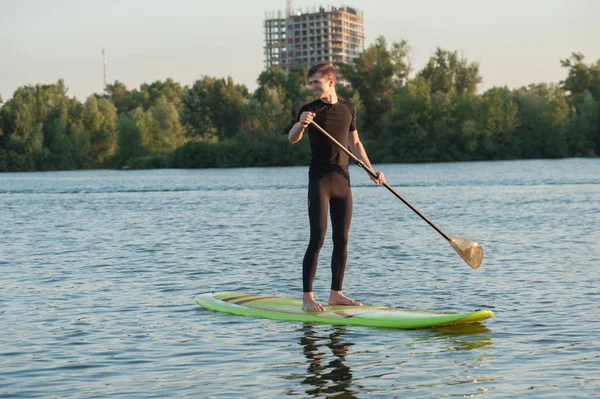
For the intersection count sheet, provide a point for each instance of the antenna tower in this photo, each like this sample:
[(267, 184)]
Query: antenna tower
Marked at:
[(105, 62)]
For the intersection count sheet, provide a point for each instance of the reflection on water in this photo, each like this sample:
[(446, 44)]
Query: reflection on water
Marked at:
[(327, 377), (328, 351), (465, 337)]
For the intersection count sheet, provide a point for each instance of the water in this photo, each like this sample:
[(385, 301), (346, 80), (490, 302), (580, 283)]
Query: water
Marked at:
[(99, 271)]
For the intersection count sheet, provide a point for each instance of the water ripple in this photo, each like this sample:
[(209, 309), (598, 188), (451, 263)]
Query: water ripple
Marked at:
[(100, 269)]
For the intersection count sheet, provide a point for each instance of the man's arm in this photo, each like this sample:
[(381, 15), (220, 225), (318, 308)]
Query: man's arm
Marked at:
[(359, 151), (297, 130)]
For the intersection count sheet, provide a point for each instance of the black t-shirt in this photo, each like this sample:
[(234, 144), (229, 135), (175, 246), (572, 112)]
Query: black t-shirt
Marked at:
[(338, 120)]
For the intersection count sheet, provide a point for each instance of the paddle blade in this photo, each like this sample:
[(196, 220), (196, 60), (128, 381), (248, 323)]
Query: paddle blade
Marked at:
[(470, 251)]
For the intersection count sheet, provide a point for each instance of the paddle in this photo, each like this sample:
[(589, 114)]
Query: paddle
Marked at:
[(470, 251)]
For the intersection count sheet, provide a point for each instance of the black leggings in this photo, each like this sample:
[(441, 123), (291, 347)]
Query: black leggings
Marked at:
[(328, 189)]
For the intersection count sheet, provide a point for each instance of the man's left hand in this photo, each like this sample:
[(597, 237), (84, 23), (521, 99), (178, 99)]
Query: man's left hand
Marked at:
[(380, 178)]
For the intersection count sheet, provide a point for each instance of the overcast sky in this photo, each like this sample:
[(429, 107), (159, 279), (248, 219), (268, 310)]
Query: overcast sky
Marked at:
[(516, 42)]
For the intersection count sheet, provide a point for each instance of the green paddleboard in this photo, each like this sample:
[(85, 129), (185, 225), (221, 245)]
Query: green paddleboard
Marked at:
[(291, 309)]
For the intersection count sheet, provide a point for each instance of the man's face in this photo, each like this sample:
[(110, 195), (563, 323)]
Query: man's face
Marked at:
[(321, 85)]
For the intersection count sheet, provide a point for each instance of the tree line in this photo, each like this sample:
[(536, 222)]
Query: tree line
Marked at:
[(431, 115)]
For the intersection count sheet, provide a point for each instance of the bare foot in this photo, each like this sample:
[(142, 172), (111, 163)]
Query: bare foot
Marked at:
[(337, 298), (309, 304)]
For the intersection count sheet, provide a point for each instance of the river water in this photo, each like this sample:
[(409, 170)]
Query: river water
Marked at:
[(100, 268)]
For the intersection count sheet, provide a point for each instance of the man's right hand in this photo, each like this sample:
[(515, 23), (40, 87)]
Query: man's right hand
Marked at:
[(306, 118)]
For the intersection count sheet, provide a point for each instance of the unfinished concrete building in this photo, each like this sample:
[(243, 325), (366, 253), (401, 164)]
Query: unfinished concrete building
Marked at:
[(319, 35)]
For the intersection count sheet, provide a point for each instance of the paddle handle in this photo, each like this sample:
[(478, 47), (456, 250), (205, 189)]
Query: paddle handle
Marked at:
[(372, 173)]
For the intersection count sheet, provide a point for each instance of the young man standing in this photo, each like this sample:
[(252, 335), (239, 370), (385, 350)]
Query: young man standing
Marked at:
[(329, 180)]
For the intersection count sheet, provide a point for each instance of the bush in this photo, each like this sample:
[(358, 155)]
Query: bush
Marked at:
[(147, 162), (241, 151)]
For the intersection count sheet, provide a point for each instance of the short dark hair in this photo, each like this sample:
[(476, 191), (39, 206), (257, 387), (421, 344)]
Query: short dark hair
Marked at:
[(326, 70)]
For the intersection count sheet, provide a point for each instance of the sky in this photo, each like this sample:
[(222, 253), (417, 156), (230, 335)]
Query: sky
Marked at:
[(515, 42)]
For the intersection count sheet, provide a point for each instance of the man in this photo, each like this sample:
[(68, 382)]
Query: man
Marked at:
[(329, 181)]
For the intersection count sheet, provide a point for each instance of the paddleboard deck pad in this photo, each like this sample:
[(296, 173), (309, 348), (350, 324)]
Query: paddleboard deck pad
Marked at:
[(278, 308)]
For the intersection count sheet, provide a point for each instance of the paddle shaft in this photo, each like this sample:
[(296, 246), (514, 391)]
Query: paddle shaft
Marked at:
[(372, 173)]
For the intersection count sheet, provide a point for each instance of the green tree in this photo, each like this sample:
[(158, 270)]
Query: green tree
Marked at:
[(212, 108), (582, 86), (377, 74), (584, 132), (542, 116), (284, 94), (24, 118), (442, 130), (581, 77), (121, 97), (99, 120), (468, 133), (81, 140), (57, 145), (66, 143), (298, 91), (267, 114), (406, 129), (445, 71), (159, 129), (196, 115), (157, 92), (169, 128), (152, 139), (497, 121), (22, 121), (272, 78), (228, 102), (129, 140)]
